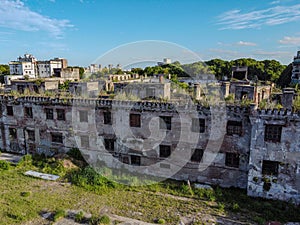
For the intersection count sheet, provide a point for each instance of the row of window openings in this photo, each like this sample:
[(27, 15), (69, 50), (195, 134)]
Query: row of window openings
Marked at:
[(231, 159), (55, 137), (49, 113), (272, 132)]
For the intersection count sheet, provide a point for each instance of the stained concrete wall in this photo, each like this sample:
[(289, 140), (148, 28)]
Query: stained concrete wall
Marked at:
[(85, 117), (286, 184)]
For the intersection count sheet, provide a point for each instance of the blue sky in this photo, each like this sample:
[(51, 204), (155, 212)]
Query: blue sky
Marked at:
[(83, 30)]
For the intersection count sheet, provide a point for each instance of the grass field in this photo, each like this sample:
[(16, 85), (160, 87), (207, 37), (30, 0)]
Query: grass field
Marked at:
[(24, 198)]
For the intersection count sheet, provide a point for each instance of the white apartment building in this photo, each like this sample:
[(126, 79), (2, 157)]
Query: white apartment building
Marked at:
[(24, 66), (29, 66)]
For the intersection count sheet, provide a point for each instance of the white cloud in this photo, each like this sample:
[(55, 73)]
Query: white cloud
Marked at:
[(15, 15), (236, 19), (275, 2), (245, 43), (290, 41)]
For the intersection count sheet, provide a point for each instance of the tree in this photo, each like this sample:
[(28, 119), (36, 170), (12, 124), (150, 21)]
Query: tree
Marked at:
[(4, 69)]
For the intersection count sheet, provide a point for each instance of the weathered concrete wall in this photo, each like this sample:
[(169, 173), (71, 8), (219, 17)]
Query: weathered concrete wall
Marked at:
[(87, 124), (284, 183)]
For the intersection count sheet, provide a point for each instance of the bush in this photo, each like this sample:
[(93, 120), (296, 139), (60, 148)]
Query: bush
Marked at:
[(235, 207), (59, 214), (75, 154), (25, 162), (4, 165), (104, 220), (94, 220), (161, 221), (79, 217)]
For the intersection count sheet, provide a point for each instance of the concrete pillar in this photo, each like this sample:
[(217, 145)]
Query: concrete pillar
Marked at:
[(161, 78), (225, 88), (197, 91), (287, 98)]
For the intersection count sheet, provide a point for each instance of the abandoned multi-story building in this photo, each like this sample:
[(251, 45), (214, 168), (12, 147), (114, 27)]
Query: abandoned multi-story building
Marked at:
[(257, 150)]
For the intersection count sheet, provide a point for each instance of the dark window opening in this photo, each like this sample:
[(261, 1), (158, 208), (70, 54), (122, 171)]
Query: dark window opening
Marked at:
[(57, 138), (273, 133), (164, 151), (10, 110), (61, 114), (244, 95), (197, 155), (28, 112), (13, 133), (125, 159), (270, 167), (31, 135), (165, 122), (135, 160), (85, 141), (234, 127), (49, 114), (232, 160), (109, 144), (83, 116), (135, 120), (198, 125), (36, 89), (107, 117)]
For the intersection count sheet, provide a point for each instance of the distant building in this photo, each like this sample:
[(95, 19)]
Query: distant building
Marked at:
[(24, 66), (296, 69), (50, 67), (34, 85), (31, 67), (165, 62)]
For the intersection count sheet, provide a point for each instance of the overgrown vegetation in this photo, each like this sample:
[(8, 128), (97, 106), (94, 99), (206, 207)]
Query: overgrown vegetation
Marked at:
[(59, 214), (4, 165), (161, 202)]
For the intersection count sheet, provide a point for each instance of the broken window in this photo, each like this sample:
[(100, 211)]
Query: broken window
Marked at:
[(83, 116), (28, 112), (197, 155), (164, 151), (198, 125), (270, 167), (273, 133), (165, 122), (49, 114), (60, 114), (135, 120), (10, 110), (232, 159), (234, 127), (109, 144), (135, 160), (31, 135), (85, 141), (13, 133), (57, 137), (107, 117)]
